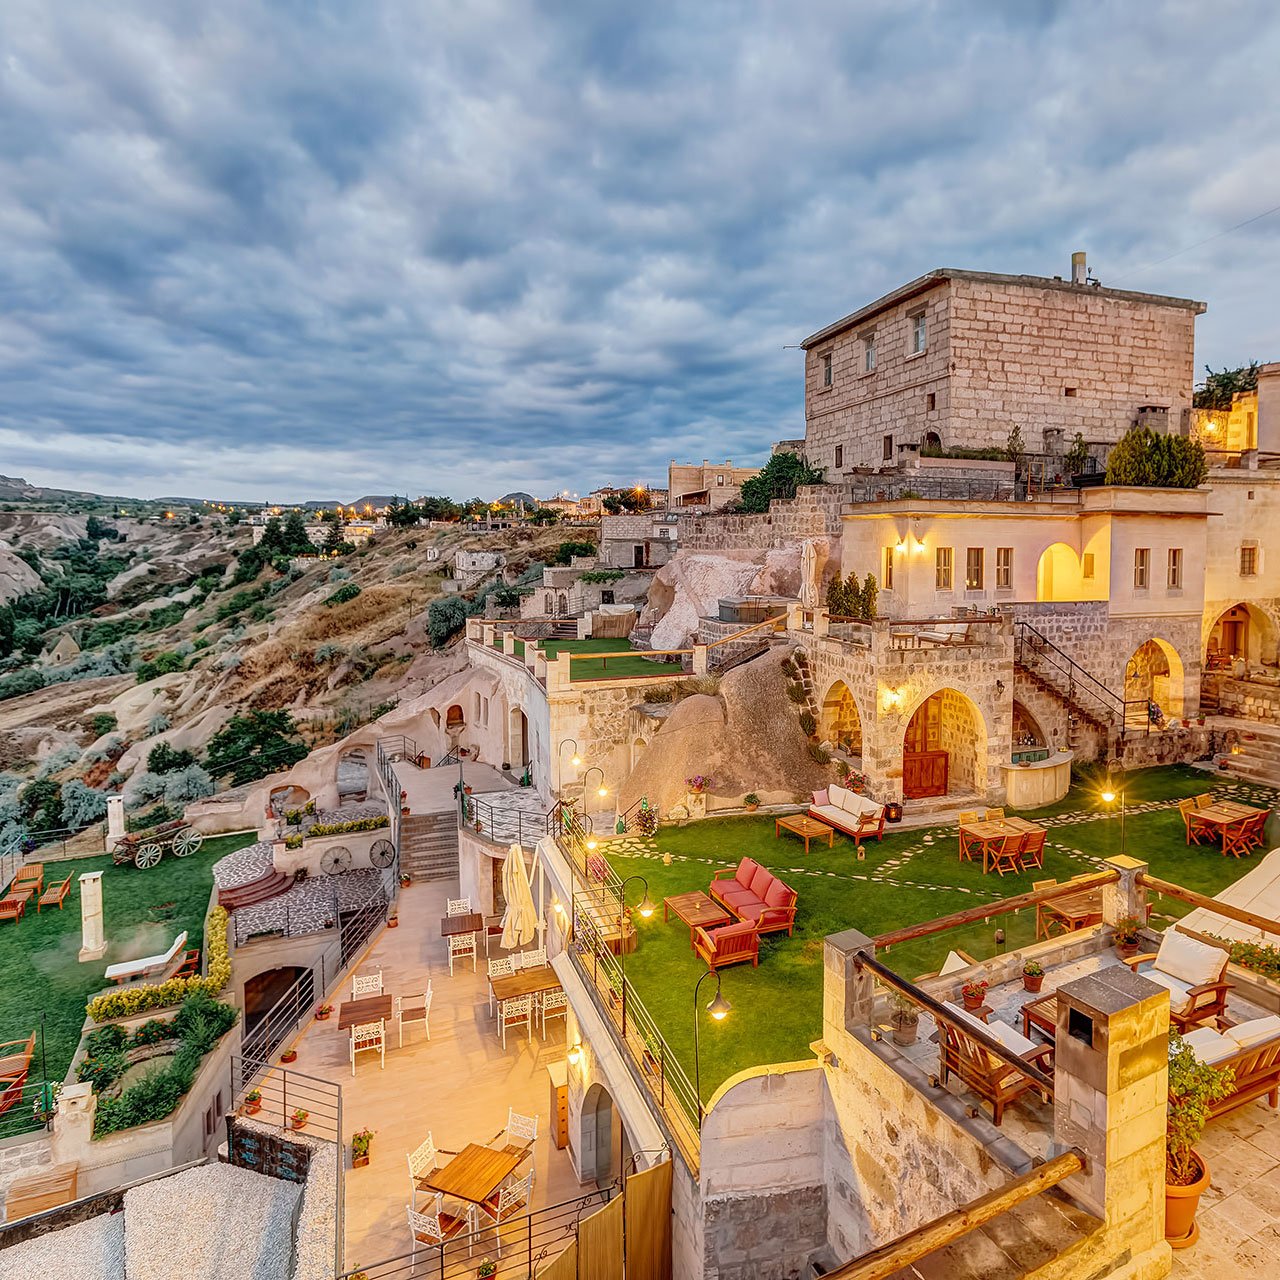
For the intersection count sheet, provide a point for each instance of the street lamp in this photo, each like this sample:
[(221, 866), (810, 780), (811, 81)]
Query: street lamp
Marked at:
[(577, 759), (718, 1008), (1110, 797), (646, 910), (601, 790)]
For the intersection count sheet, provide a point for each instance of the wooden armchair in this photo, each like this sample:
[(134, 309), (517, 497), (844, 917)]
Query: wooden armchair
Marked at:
[(728, 944), (14, 1065), (1193, 969), (991, 1078), (30, 877), (1196, 831)]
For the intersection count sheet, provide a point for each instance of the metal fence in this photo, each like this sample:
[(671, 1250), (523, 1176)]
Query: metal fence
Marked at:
[(528, 1243), (503, 825)]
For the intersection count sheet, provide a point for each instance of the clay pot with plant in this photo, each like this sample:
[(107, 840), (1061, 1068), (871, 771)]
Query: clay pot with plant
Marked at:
[(1127, 935), (289, 1055), (361, 1142), (486, 1270), (323, 1012), (973, 994), (393, 921), (751, 802), (252, 1102), (1194, 1086), (1032, 975), (905, 1019), (299, 1119)]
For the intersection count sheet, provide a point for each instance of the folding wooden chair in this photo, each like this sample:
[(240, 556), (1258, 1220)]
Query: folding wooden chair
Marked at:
[(1235, 838), (969, 845), (1032, 851), (1006, 857), (1197, 830), (1256, 830), (994, 815), (1041, 921)]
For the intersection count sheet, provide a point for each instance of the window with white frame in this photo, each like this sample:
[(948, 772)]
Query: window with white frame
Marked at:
[(919, 333), (1004, 568), (1141, 568), (868, 352), (942, 562), (974, 558), (1175, 569)]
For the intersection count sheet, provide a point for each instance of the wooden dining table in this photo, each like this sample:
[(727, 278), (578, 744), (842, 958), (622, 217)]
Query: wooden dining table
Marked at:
[(452, 926), (1222, 814), (474, 1174), (524, 982), (990, 833), (352, 1013), (1075, 910)]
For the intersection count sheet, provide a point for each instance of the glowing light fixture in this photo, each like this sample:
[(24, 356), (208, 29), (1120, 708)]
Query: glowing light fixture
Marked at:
[(575, 1052)]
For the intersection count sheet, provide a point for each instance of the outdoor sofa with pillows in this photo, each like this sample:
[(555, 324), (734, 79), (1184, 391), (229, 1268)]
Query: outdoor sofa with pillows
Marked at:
[(1252, 1051), (848, 812), (754, 894)]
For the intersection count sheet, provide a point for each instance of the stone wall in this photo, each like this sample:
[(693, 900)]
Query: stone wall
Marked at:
[(1249, 699), (813, 513)]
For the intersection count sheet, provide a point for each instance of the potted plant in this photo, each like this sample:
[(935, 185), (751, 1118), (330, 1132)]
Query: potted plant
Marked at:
[(405, 879), (1127, 935), (393, 921), (1032, 975), (1193, 1087), (289, 1055), (323, 1012), (486, 1269), (299, 1119), (652, 1054), (974, 993), (906, 1019), (856, 781), (46, 1102), (699, 783), (751, 801), (253, 1102), (361, 1141), (1200, 719)]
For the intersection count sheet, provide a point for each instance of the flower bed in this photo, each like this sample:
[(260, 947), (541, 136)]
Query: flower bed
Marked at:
[(341, 828), (1258, 957)]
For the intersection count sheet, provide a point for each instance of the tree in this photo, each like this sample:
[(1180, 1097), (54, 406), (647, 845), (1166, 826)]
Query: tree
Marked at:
[(544, 515), (333, 540), (1014, 449), (848, 599), (445, 618), (1144, 459), (782, 475), (1218, 388), (567, 550), (294, 535), (251, 746), (166, 759), (1077, 456)]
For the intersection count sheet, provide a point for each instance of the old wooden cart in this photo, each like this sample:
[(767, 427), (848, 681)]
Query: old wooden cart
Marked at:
[(146, 848)]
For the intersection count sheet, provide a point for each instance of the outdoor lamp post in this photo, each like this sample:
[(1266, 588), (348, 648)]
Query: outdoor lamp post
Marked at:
[(601, 791), (1110, 797), (575, 761), (646, 910), (718, 1008)]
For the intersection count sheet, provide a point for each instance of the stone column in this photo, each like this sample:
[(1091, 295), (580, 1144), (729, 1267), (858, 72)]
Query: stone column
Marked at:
[(1111, 1084), (93, 935), (509, 644), (487, 636), (821, 623), (699, 659), (795, 617), (847, 994), (1126, 897), (115, 818)]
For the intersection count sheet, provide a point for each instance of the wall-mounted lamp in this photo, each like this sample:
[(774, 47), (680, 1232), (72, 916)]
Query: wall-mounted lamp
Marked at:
[(893, 699), (558, 907), (999, 687), (902, 545), (575, 1053)]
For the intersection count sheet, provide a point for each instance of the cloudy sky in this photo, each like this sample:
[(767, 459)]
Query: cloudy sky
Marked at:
[(310, 249)]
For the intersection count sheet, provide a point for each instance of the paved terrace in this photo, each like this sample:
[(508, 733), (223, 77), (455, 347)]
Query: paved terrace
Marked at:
[(457, 1086)]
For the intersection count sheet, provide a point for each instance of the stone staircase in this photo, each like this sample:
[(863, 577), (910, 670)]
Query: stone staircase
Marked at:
[(263, 889), (429, 845), (563, 630), (1052, 671), (1259, 758)]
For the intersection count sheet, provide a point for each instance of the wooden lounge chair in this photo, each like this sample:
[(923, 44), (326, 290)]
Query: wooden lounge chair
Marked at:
[(1252, 1050), (54, 895), (1006, 858), (148, 965), (1193, 969), (190, 965), (729, 944), (991, 1078), (15, 1061)]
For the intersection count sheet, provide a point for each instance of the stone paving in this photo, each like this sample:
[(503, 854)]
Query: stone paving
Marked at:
[(309, 906)]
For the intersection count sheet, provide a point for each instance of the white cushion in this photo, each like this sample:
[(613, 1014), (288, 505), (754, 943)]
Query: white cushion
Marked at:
[(1194, 962), (953, 964), (1176, 988), (836, 794), (1010, 1037), (1209, 1046), (1254, 1032), (833, 815)]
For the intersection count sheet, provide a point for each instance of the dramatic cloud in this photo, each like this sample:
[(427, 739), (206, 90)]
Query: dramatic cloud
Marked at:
[(276, 250)]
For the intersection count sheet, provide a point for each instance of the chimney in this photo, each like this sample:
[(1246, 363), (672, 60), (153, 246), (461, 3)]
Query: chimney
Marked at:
[(1079, 270)]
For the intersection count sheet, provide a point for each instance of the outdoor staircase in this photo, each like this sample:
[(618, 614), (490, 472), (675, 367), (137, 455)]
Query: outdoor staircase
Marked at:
[(563, 630), (1055, 673), (263, 889), (1259, 758), (429, 845)]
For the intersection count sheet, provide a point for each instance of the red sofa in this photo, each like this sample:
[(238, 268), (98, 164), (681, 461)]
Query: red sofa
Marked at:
[(728, 944), (754, 894)]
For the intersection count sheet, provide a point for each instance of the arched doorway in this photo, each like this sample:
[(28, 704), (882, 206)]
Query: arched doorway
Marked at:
[(284, 798), (840, 722), (353, 776), (1243, 631), (637, 750), (264, 991), (944, 751), (932, 440), (1058, 574), (1028, 737), (1153, 674), (606, 1148), (454, 720)]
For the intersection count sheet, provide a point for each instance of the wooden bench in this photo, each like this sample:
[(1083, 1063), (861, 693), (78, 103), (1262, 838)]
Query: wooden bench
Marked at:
[(54, 894), (13, 907), (45, 1189), (13, 1069), (991, 1078), (29, 877)]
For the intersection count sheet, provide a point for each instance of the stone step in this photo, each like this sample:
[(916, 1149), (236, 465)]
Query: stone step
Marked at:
[(272, 885)]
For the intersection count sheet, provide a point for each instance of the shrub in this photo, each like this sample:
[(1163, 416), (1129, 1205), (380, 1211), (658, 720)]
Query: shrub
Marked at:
[(1146, 460), (341, 828), (780, 477), (797, 693), (327, 652), (104, 722), (161, 665), (597, 577), (158, 724), (167, 759), (348, 591), (81, 804), (808, 723), (20, 682), (658, 693), (1260, 957), (184, 786), (445, 618), (819, 754), (338, 574), (230, 662), (142, 789), (1193, 1087), (58, 759), (567, 550)]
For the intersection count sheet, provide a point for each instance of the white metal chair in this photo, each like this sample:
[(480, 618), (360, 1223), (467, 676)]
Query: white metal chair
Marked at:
[(516, 1012), (534, 959), (520, 1134), (511, 1201), (368, 1037), (517, 961), (413, 1013), (434, 1229), (459, 907), (499, 968), (492, 929), (462, 945), (369, 984), (554, 1004), (425, 1160)]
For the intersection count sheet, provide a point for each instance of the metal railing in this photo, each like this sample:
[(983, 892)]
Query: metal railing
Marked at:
[(286, 1016), (528, 1242), (501, 825), (1039, 655), (28, 1106), (355, 922)]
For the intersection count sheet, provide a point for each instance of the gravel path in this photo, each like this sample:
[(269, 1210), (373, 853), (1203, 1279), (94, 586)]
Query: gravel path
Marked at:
[(92, 1250), (215, 1222)]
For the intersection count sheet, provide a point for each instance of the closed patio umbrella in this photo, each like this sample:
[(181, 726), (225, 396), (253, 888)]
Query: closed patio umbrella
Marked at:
[(521, 919), (809, 574)]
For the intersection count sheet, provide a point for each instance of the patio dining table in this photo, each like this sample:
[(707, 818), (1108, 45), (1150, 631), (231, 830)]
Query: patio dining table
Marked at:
[(1222, 814), (353, 1013), (474, 1174), (1074, 910), (524, 982), (990, 833)]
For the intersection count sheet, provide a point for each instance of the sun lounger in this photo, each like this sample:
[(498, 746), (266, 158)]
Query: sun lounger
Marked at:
[(147, 966)]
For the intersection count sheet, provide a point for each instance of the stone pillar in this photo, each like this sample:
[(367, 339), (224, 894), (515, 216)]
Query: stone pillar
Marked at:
[(847, 994), (509, 643), (1111, 1084), (531, 652), (558, 672), (540, 664), (488, 635), (699, 659), (584, 627), (115, 818), (73, 1124), (795, 617), (92, 933), (1126, 897), (821, 623)]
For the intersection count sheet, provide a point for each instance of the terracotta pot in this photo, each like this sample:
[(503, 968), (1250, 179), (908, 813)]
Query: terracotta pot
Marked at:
[(297, 1124), (289, 1055), (1128, 948), (251, 1108), (393, 923), (358, 1162), (751, 808), (972, 1003), (323, 1017), (904, 1033), (1032, 982), (1180, 1205)]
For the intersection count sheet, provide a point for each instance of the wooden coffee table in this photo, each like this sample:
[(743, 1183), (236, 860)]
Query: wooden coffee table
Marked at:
[(696, 910), (1042, 1012), (806, 828)]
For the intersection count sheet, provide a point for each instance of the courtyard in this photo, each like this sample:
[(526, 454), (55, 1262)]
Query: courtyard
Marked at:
[(910, 877)]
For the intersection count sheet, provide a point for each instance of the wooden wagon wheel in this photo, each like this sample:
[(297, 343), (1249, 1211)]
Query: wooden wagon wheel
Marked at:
[(336, 859), (185, 843), (382, 854), (147, 856)]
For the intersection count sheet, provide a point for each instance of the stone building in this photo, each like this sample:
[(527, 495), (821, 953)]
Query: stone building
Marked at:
[(644, 540), (959, 358), (705, 487)]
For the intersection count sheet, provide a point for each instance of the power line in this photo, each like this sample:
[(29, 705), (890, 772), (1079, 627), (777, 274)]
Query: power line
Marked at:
[(1187, 248)]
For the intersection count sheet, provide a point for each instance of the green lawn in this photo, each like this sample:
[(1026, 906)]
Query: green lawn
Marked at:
[(911, 877), (40, 973), (596, 669)]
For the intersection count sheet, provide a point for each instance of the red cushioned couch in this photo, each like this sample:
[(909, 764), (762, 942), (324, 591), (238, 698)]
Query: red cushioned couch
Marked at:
[(755, 894)]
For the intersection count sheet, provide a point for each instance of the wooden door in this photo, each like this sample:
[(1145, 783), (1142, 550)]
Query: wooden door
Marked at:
[(924, 774)]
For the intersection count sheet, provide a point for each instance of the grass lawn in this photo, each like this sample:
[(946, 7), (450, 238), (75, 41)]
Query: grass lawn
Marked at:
[(596, 669), (40, 973), (911, 877)]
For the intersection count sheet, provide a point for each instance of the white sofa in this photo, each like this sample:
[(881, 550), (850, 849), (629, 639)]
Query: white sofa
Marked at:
[(849, 812), (1212, 1046)]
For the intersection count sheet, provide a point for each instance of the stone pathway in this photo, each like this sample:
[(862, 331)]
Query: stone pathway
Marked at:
[(308, 907)]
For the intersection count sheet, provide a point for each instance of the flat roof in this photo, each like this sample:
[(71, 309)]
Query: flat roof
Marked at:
[(931, 279)]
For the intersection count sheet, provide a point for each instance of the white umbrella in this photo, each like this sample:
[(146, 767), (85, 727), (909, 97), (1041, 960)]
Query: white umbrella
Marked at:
[(809, 574), (521, 918)]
